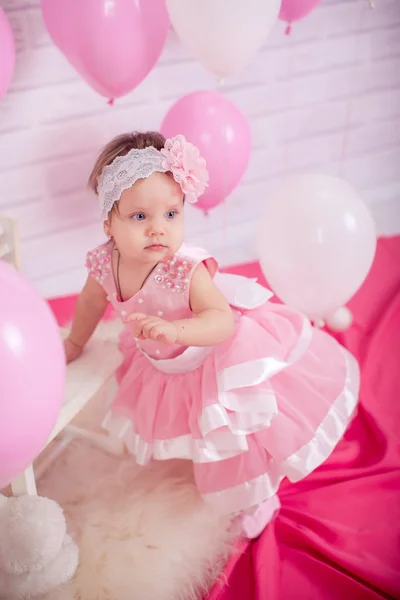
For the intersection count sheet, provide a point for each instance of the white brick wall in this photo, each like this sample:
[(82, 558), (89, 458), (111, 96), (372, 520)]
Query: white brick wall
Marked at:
[(327, 98)]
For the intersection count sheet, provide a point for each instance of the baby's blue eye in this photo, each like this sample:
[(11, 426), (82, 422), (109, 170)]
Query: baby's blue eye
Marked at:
[(139, 217), (171, 214)]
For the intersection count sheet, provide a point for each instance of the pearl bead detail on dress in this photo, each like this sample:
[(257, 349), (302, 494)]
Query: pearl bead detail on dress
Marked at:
[(172, 273), (98, 262)]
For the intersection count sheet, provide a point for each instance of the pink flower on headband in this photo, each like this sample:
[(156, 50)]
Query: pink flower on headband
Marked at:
[(186, 165)]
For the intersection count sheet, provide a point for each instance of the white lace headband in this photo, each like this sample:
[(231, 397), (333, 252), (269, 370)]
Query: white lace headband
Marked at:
[(178, 156)]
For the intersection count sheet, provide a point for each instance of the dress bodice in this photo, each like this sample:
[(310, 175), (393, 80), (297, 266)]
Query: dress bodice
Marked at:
[(164, 293)]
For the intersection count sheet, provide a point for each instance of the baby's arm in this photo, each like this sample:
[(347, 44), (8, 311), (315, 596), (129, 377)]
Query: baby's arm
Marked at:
[(214, 322), (90, 307)]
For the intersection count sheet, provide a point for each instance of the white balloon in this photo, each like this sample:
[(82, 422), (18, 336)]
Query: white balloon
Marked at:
[(223, 35), (316, 243), (340, 320)]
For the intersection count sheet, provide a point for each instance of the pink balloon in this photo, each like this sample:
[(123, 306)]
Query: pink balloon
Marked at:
[(316, 242), (32, 373), (294, 10), (112, 44), (7, 53), (221, 132)]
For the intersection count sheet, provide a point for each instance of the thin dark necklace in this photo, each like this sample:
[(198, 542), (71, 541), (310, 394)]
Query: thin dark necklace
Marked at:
[(118, 281)]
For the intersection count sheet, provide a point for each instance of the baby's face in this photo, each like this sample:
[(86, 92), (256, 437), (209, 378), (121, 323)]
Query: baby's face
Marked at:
[(148, 223)]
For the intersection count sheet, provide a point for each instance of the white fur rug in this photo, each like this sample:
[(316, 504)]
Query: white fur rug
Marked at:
[(144, 533)]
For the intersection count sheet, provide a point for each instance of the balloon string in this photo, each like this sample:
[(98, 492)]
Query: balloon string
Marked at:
[(288, 29), (349, 108), (371, 3), (224, 164), (286, 157)]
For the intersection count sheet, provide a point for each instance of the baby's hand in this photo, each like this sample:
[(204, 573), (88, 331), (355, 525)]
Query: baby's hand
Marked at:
[(146, 327), (72, 350)]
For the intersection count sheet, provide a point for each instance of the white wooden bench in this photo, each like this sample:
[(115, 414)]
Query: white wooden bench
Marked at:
[(9, 242), (91, 376)]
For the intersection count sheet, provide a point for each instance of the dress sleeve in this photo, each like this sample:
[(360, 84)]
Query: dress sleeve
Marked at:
[(98, 263), (241, 292), (200, 255)]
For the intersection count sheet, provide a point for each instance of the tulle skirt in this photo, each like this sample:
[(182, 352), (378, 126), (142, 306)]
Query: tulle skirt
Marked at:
[(272, 402)]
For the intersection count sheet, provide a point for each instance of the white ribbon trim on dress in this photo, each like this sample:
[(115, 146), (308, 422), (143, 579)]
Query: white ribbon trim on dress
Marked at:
[(240, 422), (241, 412), (190, 359), (252, 411), (242, 292), (220, 445), (332, 428), (304, 461), (247, 494), (249, 412)]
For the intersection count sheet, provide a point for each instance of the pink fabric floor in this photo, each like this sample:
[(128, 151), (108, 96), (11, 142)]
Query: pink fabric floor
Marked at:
[(338, 533)]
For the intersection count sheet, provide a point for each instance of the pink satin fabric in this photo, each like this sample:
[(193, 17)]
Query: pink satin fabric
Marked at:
[(337, 536)]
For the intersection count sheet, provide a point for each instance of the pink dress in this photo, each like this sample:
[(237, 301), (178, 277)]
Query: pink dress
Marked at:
[(271, 402)]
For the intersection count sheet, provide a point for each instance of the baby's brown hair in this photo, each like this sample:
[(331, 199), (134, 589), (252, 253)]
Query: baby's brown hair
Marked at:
[(121, 145)]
